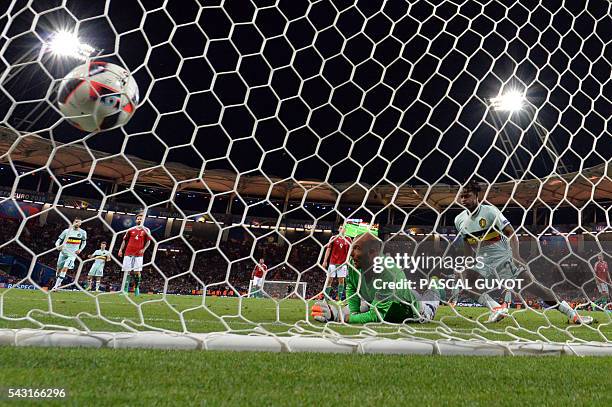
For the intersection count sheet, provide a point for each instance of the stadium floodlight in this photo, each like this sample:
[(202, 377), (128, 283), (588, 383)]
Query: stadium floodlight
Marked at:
[(66, 43), (511, 101)]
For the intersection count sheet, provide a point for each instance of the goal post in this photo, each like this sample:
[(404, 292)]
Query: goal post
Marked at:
[(416, 136), (297, 343)]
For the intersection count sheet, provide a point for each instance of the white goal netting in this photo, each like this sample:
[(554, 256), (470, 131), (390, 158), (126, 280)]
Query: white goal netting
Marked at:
[(278, 289), (263, 126)]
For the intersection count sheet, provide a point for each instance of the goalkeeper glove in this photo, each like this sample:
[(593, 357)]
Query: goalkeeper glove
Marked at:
[(325, 312)]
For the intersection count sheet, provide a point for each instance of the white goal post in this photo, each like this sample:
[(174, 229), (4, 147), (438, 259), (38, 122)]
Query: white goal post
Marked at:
[(258, 129), (297, 343)]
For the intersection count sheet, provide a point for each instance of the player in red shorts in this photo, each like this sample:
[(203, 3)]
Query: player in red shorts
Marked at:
[(602, 278), (335, 262), (138, 239)]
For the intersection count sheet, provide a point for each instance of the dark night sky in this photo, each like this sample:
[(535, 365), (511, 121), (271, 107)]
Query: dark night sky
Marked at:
[(301, 87)]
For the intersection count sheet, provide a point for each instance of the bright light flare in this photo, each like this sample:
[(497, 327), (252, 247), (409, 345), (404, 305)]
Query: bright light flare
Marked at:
[(65, 43), (511, 101)]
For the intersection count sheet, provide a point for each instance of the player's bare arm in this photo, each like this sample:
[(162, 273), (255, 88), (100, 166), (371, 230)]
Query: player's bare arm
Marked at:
[(327, 253), (142, 252), (59, 243)]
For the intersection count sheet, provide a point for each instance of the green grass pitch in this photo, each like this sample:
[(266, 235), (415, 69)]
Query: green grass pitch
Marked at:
[(116, 312), (106, 377), (155, 377)]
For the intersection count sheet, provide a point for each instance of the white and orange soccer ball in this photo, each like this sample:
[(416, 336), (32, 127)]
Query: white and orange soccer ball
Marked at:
[(98, 96)]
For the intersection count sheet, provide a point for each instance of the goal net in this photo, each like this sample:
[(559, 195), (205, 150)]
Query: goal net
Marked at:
[(279, 289), (365, 150)]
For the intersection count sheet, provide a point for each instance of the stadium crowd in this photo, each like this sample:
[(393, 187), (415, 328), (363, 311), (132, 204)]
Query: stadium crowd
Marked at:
[(176, 268), (184, 268)]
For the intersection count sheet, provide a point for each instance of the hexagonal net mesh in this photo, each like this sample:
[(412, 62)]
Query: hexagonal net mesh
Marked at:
[(442, 129)]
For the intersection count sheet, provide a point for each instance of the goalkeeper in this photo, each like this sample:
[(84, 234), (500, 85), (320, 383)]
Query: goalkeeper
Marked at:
[(379, 304)]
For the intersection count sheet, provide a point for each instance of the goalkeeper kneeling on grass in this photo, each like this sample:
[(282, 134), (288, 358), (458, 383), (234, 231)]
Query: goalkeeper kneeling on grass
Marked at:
[(379, 304)]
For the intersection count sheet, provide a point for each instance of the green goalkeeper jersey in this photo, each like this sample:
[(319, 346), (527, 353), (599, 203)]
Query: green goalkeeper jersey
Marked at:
[(392, 305)]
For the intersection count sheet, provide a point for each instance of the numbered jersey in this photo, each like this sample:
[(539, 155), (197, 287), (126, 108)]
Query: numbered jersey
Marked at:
[(340, 246), (136, 239), (483, 231), (601, 271), (260, 270), (72, 240), (98, 253)]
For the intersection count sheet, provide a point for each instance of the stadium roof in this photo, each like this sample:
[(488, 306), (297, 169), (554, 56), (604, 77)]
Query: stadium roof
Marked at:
[(33, 151)]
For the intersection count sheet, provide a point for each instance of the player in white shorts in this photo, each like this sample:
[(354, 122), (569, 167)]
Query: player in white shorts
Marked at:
[(136, 241), (70, 243), (258, 275), (334, 261), (101, 256), (602, 278), (488, 235), (337, 270)]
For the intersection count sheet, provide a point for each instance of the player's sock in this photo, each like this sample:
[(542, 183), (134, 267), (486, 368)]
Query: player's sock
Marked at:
[(565, 308), (328, 291), (428, 310), (508, 298), (137, 287), (97, 285), (487, 301), (340, 292), (454, 297), (59, 279), (127, 284)]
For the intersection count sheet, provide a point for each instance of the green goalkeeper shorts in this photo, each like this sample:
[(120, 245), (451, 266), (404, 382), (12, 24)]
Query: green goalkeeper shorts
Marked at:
[(400, 312)]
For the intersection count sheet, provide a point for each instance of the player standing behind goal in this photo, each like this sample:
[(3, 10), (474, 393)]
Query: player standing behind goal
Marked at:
[(488, 234), (258, 276), (334, 262), (70, 243), (138, 239), (101, 256), (602, 278)]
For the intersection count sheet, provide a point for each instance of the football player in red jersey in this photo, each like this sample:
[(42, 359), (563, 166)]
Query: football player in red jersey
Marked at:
[(335, 262), (259, 273), (138, 239), (602, 278)]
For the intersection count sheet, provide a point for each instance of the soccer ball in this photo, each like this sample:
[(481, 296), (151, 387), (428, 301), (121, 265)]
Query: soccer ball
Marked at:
[(98, 96)]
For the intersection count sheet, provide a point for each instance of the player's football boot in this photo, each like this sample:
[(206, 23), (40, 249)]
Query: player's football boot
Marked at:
[(582, 320), (497, 314)]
